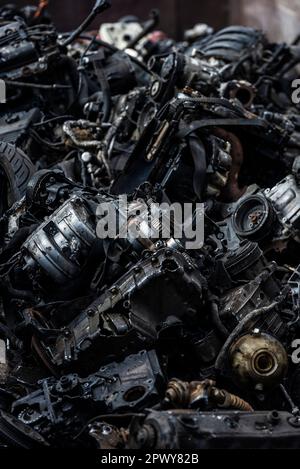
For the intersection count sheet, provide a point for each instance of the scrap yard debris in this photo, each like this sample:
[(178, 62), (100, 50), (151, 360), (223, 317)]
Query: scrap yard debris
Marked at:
[(142, 341)]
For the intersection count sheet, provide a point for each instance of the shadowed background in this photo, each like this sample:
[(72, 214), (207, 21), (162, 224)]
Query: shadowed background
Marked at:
[(281, 18)]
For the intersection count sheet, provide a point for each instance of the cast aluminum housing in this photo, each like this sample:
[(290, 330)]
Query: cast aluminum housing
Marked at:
[(61, 244), (285, 198)]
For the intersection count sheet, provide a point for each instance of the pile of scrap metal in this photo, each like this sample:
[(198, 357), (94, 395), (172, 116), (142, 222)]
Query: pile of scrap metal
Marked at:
[(146, 343)]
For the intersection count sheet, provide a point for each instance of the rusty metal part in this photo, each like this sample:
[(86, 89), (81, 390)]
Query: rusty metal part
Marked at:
[(242, 90), (227, 400), (258, 359), (43, 4), (200, 390), (184, 394), (178, 393), (232, 191)]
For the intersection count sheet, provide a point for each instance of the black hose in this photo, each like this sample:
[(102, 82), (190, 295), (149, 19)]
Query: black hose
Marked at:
[(217, 320), (20, 294), (105, 88), (53, 119), (199, 157), (100, 6), (22, 84)]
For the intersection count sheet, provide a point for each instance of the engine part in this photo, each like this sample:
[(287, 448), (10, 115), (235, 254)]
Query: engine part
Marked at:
[(202, 394), (221, 429), (30, 55), (272, 214), (61, 245), (254, 218), (15, 172), (258, 360), (149, 236), (285, 198), (102, 320), (242, 90), (116, 388), (17, 435)]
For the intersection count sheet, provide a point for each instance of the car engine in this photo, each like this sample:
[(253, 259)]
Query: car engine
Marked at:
[(116, 332)]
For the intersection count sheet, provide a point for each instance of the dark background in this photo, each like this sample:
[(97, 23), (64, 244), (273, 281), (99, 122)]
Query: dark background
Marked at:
[(281, 18), (176, 14)]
